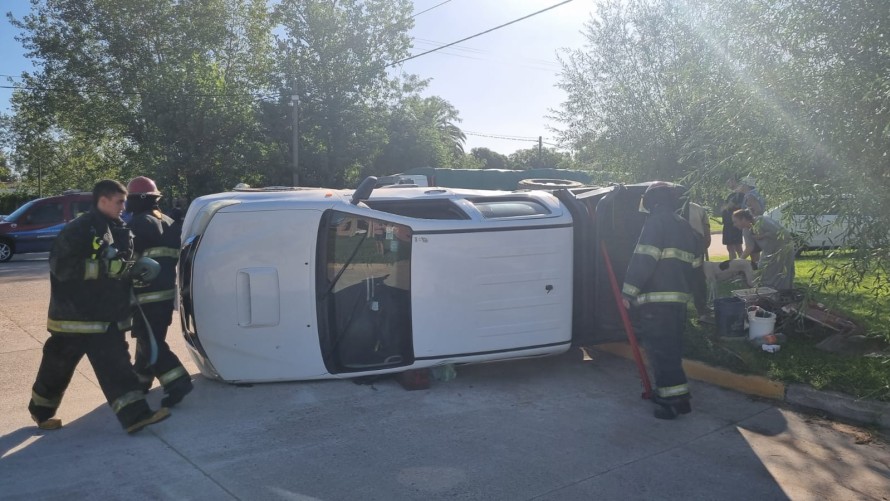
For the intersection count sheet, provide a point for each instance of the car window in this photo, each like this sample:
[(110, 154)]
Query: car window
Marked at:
[(15, 216), (45, 214)]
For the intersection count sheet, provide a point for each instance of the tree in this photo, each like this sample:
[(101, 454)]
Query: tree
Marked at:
[(490, 159), (533, 158), (163, 88), (793, 92), (334, 55), (422, 133), (640, 90)]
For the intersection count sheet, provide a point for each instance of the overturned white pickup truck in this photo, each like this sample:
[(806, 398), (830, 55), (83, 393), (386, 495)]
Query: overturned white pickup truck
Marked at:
[(310, 283)]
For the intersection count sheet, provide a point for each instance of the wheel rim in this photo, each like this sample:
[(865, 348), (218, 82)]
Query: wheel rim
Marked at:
[(5, 252)]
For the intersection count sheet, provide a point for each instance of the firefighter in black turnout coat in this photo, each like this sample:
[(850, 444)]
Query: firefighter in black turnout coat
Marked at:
[(658, 285), (89, 309), (156, 236)]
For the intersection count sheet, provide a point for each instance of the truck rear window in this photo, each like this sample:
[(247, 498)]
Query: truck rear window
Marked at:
[(503, 208)]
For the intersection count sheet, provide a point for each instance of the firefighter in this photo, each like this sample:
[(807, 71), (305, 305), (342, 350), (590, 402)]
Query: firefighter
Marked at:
[(156, 236), (89, 311), (658, 284)]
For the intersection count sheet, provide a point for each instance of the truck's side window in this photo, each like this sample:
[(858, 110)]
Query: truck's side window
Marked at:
[(377, 249), (365, 298)]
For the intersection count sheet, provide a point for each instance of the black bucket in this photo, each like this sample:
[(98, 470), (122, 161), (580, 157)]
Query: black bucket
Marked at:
[(730, 314)]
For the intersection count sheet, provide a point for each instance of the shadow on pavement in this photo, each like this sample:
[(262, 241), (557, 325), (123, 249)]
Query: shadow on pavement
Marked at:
[(551, 428)]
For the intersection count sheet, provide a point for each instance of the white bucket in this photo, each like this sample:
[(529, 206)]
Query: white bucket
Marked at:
[(760, 326)]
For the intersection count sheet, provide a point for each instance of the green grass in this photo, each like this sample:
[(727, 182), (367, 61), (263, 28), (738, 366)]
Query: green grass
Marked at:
[(799, 361)]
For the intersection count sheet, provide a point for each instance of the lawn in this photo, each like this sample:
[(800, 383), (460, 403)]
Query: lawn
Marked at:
[(799, 361)]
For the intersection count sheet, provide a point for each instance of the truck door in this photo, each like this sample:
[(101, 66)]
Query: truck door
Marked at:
[(363, 284)]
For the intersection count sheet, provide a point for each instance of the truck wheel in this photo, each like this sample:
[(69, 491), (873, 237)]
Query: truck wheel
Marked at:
[(6, 251), (547, 184)]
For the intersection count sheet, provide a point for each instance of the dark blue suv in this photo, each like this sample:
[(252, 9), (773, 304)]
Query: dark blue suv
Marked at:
[(34, 226)]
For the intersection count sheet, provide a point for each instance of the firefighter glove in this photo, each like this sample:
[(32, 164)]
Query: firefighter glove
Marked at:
[(144, 270)]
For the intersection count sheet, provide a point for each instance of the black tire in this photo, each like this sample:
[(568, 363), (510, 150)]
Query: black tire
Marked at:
[(547, 184), (6, 251)]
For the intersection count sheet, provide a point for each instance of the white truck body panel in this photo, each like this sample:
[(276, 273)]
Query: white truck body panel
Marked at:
[(486, 292), (481, 288)]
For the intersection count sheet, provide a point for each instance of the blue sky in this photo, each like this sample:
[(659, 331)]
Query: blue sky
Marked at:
[(502, 83)]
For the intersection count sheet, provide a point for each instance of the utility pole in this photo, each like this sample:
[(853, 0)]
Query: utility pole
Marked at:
[(540, 151), (295, 104)]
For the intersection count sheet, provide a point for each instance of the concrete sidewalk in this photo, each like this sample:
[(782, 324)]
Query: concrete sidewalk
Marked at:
[(548, 428)]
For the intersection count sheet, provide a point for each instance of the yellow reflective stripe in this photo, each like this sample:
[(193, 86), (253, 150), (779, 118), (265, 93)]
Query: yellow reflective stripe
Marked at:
[(668, 253), (45, 402), (648, 250), (161, 252), (97, 243), (663, 297), (90, 270), (125, 324), (76, 326), (673, 391), (172, 375), (697, 262), (126, 399), (630, 290), (671, 253), (154, 297)]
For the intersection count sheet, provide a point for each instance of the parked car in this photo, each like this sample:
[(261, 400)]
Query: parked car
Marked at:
[(313, 283), (35, 225), (814, 225)]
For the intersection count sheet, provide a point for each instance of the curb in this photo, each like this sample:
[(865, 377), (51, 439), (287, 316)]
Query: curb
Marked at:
[(840, 404), (867, 412)]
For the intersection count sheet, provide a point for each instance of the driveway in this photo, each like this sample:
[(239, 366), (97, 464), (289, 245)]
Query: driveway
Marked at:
[(549, 428)]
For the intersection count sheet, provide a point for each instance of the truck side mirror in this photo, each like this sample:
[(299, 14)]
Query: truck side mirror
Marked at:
[(364, 190)]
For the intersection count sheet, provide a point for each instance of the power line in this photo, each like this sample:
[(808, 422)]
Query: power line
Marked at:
[(483, 55), (480, 33), (509, 138), (431, 8), (501, 136)]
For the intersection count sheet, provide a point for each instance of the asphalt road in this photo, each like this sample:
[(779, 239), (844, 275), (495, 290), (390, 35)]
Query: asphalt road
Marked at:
[(558, 428)]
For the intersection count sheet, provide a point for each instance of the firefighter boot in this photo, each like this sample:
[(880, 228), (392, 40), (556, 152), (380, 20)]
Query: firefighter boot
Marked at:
[(672, 410), (47, 424), (149, 418), (177, 390), (44, 414)]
